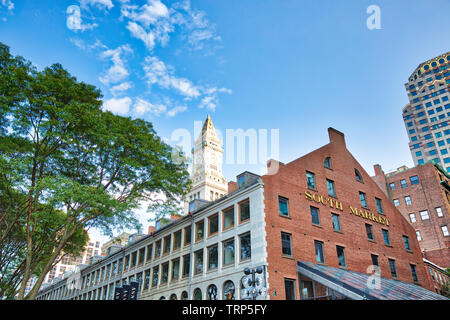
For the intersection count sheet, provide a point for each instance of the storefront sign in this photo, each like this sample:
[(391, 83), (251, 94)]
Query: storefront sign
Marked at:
[(336, 204)]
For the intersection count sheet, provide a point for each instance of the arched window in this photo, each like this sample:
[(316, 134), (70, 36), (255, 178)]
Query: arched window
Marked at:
[(184, 295), (358, 176), (212, 292), (173, 297), (162, 298), (327, 163), (228, 290), (197, 294)]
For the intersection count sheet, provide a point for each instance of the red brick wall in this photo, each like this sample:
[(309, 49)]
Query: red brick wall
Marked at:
[(290, 182), (427, 195)]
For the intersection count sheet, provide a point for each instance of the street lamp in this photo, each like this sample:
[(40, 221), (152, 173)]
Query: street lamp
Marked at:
[(254, 284)]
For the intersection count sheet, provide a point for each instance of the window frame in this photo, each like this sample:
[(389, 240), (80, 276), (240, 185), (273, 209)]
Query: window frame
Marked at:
[(283, 241), (246, 201), (210, 218)]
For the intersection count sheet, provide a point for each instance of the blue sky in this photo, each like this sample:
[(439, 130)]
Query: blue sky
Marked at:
[(294, 65)]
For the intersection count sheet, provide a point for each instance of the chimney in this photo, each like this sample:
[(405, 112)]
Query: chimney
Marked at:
[(378, 170), (151, 229), (336, 137), (232, 186)]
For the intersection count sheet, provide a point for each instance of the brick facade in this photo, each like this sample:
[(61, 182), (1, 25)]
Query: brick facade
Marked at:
[(427, 195), (290, 183)]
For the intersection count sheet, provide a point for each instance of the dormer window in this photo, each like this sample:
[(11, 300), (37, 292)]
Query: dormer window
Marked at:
[(241, 181), (358, 176), (327, 163)]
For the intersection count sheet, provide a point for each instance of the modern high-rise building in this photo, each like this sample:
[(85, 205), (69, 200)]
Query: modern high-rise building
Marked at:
[(427, 116)]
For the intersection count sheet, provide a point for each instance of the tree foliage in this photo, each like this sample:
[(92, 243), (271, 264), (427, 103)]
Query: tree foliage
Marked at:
[(68, 166)]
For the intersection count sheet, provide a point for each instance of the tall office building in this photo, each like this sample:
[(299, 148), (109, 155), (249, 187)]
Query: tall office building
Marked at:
[(427, 116)]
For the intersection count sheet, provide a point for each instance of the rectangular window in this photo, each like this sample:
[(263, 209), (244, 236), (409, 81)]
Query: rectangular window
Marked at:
[(186, 265), (419, 237), (199, 230), (412, 217), (408, 200), (414, 273), (228, 218), (167, 244), (311, 180), (336, 222), (177, 240), (283, 204), (439, 212), (392, 186), (374, 258), (147, 279), (424, 215), (165, 273), (369, 232), (245, 247), (386, 237), (341, 256), (187, 235), (315, 216), (406, 242), (244, 211), (392, 267), (213, 256), (286, 244), (396, 202), (158, 249), (198, 262), (445, 231), (141, 256), (403, 184), (414, 180), (289, 286), (318, 245), (228, 252), (362, 198), (175, 270), (379, 205), (213, 224), (331, 190), (155, 276)]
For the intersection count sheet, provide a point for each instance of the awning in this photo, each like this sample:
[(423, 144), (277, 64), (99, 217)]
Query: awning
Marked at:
[(354, 284)]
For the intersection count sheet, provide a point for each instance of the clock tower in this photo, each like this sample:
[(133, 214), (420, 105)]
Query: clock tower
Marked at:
[(208, 182)]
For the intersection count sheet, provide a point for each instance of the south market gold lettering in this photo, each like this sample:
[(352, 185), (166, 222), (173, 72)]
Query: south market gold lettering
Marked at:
[(332, 203), (335, 204)]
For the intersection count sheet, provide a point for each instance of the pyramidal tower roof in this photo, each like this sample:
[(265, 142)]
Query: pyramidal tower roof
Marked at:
[(208, 125)]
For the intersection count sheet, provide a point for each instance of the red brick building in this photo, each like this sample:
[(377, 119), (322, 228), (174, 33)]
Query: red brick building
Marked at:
[(324, 209), (422, 195)]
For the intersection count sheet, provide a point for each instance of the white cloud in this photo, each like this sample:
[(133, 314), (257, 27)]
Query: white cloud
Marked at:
[(148, 14), (118, 71), (101, 4), (118, 106), (8, 4), (121, 88), (158, 73), (142, 107), (138, 32), (211, 99), (173, 112)]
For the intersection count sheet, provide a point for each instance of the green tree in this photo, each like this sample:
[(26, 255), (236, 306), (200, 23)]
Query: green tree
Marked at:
[(69, 159)]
